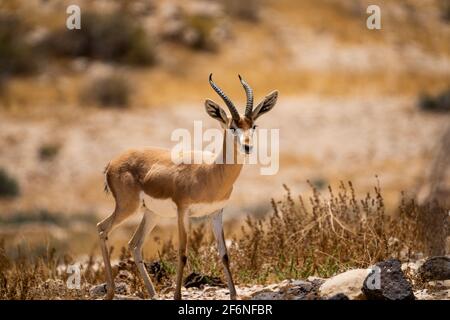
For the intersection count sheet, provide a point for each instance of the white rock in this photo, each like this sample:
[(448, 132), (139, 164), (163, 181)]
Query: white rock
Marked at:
[(348, 283)]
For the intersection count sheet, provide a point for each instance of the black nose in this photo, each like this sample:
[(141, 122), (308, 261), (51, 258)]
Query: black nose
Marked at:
[(247, 148)]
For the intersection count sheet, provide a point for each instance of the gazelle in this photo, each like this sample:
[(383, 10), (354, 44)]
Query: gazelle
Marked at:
[(181, 190)]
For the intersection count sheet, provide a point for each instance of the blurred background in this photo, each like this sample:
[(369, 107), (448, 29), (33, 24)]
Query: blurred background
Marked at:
[(367, 106)]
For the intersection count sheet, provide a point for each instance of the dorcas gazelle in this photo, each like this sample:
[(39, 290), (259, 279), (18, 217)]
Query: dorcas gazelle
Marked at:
[(148, 178)]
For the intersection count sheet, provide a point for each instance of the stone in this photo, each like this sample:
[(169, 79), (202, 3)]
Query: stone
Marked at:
[(348, 283), (435, 268), (98, 290), (288, 290), (392, 283), (267, 295), (197, 280), (121, 288), (339, 296), (298, 290), (209, 289), (124, 297)]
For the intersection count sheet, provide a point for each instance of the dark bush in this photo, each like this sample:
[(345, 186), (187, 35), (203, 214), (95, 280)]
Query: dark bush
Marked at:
[(246, 10), (445, 10), (112, 37), (9, 187), (44, 216), (48, 152), (439, 103), (199, 32), (108, 91), (16, 56)]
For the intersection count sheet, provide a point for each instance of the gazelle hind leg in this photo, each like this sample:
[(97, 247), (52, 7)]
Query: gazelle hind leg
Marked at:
[(149, 221), (183, 224), (124, 208), (103, 229), (217, 225)]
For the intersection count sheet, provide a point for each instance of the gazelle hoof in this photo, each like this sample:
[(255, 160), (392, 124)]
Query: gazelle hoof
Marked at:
[(109, 296)]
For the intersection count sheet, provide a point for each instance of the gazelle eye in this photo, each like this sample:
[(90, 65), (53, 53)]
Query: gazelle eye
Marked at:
[(254, 127)]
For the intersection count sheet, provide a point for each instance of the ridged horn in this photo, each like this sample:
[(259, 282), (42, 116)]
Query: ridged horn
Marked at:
[(249, 93), (230, 105)]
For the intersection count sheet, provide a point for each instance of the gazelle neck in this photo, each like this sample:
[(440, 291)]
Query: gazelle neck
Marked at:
[(229, 161)]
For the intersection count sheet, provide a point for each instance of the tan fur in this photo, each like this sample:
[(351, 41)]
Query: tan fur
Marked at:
[(152, 171), (191, 187)]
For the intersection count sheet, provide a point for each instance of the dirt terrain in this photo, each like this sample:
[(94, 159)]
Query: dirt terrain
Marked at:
[(326, 139), (354, 105)]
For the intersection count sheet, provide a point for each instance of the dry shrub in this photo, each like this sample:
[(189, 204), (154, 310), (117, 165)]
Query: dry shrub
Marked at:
[(33, 278), (107, 91), (196, 31), (200, 32), (49, 151), (329, 235), (16, 55), (439, 103), (111, 37), (9, 187), (324, 236), (444, 8), (246, 10)]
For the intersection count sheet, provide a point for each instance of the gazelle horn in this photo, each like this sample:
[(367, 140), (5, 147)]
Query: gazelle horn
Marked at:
[(230, 105), (249, 93)]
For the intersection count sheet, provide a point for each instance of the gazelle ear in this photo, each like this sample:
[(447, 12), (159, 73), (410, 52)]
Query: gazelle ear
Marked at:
[(215, 111), (266, 105)]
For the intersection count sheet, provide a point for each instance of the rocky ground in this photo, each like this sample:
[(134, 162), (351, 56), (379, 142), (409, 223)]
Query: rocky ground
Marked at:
[(426, 279)]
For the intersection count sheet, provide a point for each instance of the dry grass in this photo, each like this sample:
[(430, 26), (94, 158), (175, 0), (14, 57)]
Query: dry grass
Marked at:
[(320, 236)]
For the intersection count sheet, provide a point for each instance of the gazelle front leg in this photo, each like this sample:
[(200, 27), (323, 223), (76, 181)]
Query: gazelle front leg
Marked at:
[(183, 225), (149, 221), (217, 224)]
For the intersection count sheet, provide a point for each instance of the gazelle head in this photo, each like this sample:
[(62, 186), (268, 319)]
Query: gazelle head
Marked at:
[(242, 127)]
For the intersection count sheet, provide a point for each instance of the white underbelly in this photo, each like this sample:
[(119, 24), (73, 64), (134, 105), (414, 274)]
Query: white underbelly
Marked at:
[(168, 209)]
